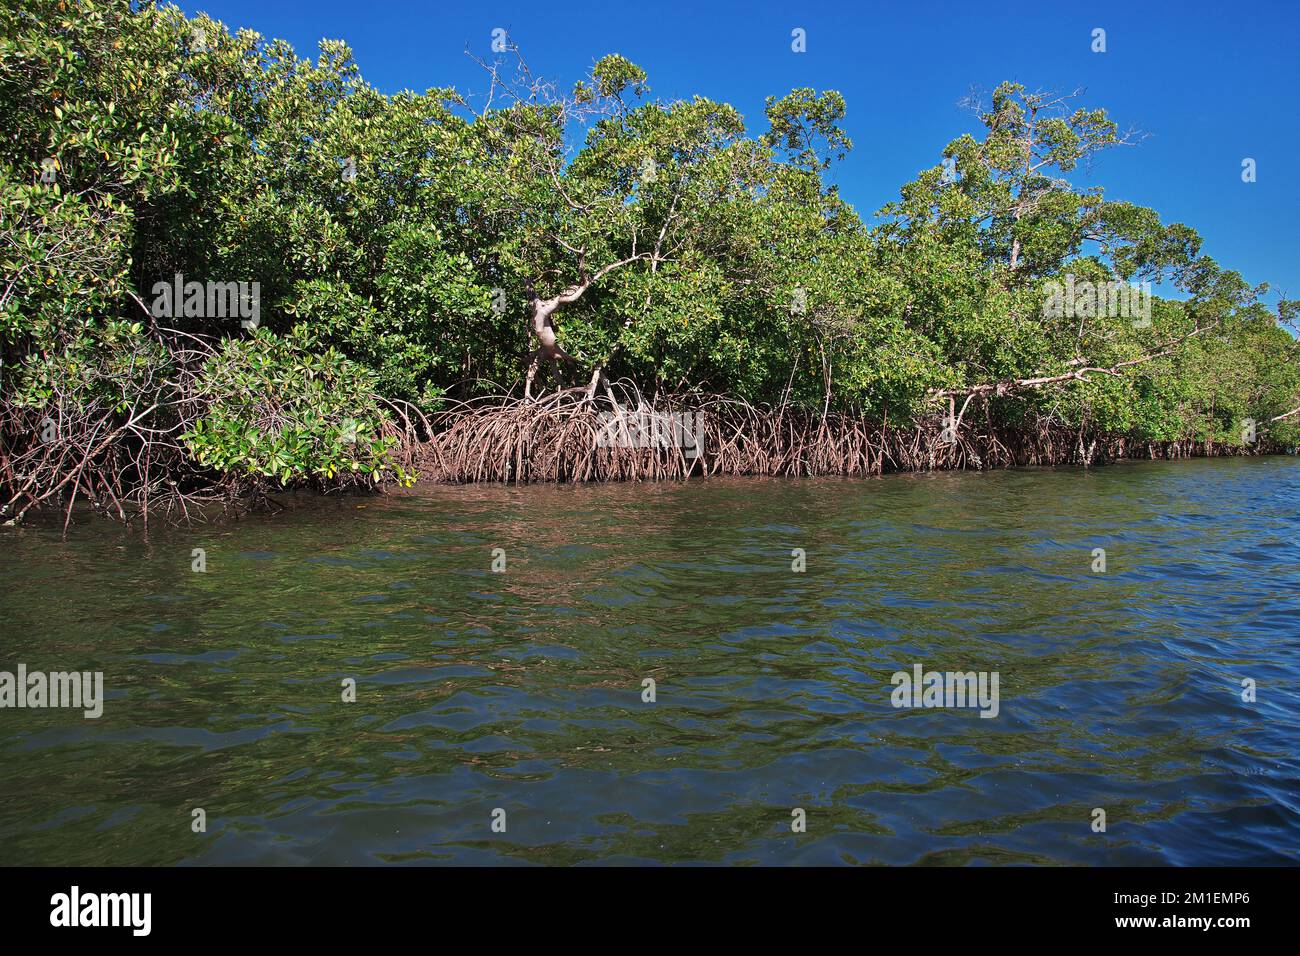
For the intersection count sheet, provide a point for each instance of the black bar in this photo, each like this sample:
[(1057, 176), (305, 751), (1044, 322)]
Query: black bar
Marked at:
[(302, 906)]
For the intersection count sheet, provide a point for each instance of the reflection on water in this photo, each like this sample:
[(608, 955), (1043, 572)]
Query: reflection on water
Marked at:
[(523, 690)]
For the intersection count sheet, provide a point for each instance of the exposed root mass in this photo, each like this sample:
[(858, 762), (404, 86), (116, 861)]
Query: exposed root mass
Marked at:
[(572, 435)]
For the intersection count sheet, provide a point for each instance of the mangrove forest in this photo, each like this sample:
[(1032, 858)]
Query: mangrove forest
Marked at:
[(229, 271)]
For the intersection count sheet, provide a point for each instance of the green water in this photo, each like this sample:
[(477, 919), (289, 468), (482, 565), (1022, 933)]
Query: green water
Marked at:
[(523, 690)]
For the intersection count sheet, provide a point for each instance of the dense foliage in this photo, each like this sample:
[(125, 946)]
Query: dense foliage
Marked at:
[(419, 248)]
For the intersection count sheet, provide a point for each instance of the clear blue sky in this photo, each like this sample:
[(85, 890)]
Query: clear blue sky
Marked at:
[(1210, 82)]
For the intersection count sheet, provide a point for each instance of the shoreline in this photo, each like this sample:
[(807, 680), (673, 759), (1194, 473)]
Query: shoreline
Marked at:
[(561, 440), (574, 441)]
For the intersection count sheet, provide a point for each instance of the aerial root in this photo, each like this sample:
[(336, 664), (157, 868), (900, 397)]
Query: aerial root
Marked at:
[(572, 435)]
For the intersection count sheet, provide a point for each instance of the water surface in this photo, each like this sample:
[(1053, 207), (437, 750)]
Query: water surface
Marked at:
[(522, 690)]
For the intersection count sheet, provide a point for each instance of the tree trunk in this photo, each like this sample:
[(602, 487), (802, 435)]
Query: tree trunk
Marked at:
[(542, 326), (542, 322)]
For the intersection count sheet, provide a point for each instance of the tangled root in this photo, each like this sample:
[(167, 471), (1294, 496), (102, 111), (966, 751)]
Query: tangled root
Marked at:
[(574, 435)]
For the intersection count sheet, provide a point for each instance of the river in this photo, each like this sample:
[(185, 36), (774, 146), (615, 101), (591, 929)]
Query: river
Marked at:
[(502, 716)]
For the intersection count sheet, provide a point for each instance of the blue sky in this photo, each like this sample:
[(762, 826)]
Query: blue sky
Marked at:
[(1210, 83)]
